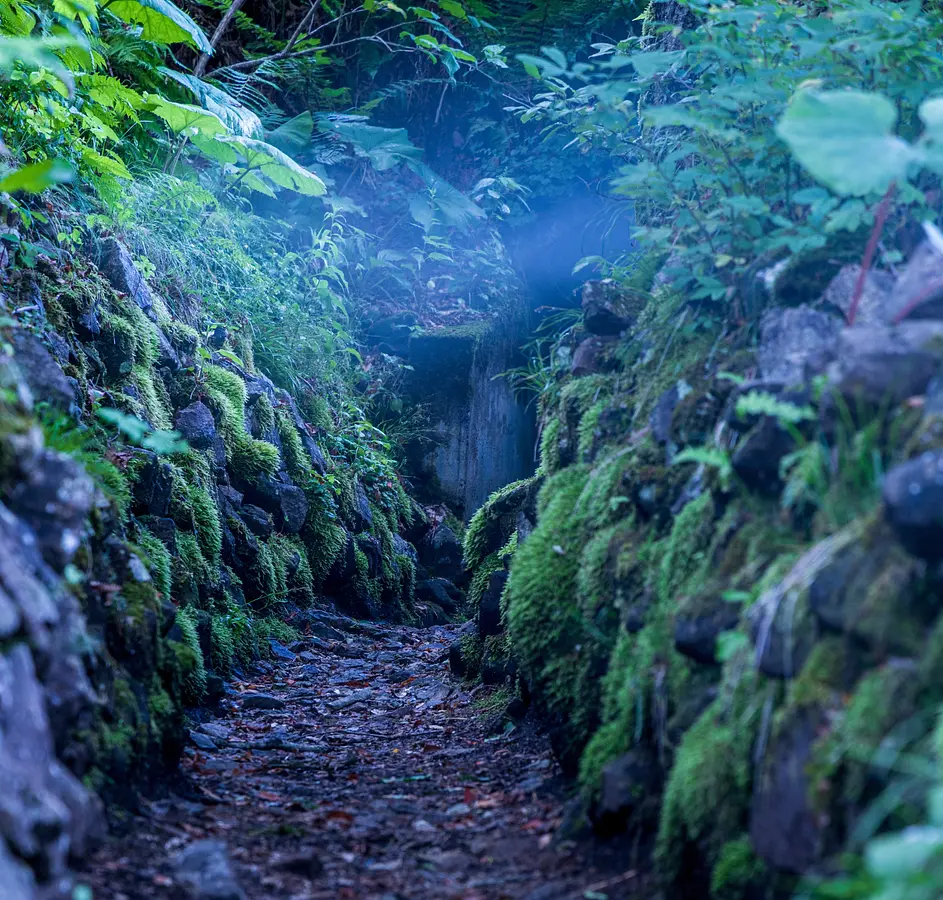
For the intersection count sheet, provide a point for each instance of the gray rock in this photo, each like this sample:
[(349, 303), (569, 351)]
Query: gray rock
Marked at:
[(53, 495), (363, 515), (440, 551), (164, 529), (216, 732), (167, 357), (118, 267), (604, 311), (439, 591), (261, 701), (207, 872), (628, 787), (280, 651), (920, 280), (456, 657), (592, 355), (153, 486), (203, 741), (15, 878), (796, 343), (292, 509), (700, 622), (757, 457), (315, 454), (43, 375), (660, 419), (913, 504), (489, 610), (257, 520), (784, 829), (881, 367), (874, 307), (195, 423)]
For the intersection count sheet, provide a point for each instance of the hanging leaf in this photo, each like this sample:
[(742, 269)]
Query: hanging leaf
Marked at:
[(384, 147), (161, 22), (237, 118), (276, 166), (453, 8), (294, 136), (184, 117), (845, 140), (655, 62), (36, 178)]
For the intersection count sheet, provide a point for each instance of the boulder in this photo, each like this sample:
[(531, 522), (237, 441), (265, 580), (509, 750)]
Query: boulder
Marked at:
[(920, 282), (784, 830), (207, 872), (257, 520), (796, 343), (699, 622), (441, 553), (661, 415), (53, 495), (292, 509), (197, 426), (881, 366), (874, 306), (118, 267), (42, 374), (871, 588), (362, 519), (457, 663), (489, 609), (628, 791), (440, 592), (164, 529), (758, 455), (604, 308), (913, 504), (592, 355)]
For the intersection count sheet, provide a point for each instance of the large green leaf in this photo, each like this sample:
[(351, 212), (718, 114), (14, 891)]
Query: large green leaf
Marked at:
[(451, 205), (294, 135), (845, 140), (278, 167), (185, 118), (161, 22), (237, 118), (37, 53), (37, 177), (384, 147)]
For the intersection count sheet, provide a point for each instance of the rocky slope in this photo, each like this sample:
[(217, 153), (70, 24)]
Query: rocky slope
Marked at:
[(722, 588), (135, 573)]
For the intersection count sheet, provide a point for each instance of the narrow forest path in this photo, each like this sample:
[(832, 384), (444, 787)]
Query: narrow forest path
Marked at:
[(359, 769)]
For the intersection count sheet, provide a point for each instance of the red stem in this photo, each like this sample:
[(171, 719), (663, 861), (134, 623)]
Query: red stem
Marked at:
[(919, 300), (879, 220)]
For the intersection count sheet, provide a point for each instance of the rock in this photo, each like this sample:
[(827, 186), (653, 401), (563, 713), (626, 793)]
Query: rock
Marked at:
[(205, 869), (438, 591), (592, 355), (203, 741), (796, 343), (628, 788), (456, 657), (292, 509), (166, 354), (660, 418), (496, 667), (153, 484), (17, 880), (489, 609), (307, 865), (604, 311), (195, 423), (784, 830), (230, 498), (53, 495), (392, 333), (757, 457), (913, 500), (783, 627), (315, 454), (920, 281), (261, 701), (118, 267), (874, 307), (165, 530), (871, 589), (43, 375), (441, 553), (363, 515), (257, 520), (280, 651), (216, 732), (881, 367), (699, 622)]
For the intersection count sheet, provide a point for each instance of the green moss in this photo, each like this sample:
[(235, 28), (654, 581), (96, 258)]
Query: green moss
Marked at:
[(158, 558), (247, 456), (324, 539), (265, 414), (185, 338), (493, 524), (586, 432), (192, 668), (708, 792), (292, 569), (738, 869), (241, 343), (686, 557), (550, 446), (297, 460)]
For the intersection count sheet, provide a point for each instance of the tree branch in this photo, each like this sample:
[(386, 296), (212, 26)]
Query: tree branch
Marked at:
[(204, 59)]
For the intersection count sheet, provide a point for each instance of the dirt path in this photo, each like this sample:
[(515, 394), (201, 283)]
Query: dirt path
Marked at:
[(374, 778)]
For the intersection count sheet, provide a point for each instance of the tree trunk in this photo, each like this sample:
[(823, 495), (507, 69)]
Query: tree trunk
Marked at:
[(204, 59)]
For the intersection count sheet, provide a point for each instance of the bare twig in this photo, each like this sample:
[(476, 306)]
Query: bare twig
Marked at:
[(224, 23), (879, 219)]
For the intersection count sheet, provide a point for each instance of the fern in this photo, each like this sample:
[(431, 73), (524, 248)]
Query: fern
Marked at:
[(761, 403)]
